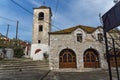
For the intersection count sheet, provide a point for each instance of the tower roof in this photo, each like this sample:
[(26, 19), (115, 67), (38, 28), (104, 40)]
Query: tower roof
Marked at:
[(44, 7)]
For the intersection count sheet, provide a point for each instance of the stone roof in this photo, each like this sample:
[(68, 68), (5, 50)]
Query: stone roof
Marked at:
[(69, 30), (42, 7)]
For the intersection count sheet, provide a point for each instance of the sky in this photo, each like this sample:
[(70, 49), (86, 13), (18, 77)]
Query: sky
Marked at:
[(66, 13)]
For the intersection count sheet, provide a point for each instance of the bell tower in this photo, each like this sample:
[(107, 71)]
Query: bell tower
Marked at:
[(40, 32), (41, 25)]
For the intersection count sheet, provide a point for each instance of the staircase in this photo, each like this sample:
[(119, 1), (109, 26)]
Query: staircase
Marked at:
[(23, 69)]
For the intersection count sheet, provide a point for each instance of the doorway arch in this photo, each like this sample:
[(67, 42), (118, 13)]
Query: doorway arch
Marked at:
[(67, 59), (91, 59)]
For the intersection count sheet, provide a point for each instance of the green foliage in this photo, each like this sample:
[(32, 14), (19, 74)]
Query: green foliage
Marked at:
[(18, 52)]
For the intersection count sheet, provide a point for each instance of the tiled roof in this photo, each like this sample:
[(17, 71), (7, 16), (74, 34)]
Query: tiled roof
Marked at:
[(69, 30)]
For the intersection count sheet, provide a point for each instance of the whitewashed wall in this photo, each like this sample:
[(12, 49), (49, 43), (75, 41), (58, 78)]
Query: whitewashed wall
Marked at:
[(38, 56)]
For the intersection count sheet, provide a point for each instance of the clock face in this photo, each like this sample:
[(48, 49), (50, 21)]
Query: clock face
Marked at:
[(37, 51)]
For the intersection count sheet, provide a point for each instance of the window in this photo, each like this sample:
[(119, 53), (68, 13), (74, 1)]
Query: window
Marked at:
[(100, 37), (41, 16), (40, 28), (79, 37), (39, 41)]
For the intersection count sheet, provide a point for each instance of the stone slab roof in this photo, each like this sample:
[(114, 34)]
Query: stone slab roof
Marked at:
[(87, 29), (69, 30)]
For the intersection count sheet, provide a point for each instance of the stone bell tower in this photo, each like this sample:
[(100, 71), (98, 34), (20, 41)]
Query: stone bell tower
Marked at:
[(41, 25), (40, 32)]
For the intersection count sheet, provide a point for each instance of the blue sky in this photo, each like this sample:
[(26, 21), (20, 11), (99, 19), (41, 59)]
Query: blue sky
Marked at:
[(66, 13)]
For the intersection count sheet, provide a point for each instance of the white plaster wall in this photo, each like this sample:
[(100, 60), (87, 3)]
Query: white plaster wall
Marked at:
[(39, 56)]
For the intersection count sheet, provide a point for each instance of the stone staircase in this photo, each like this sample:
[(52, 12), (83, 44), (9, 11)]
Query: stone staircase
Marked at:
[(23, 69)]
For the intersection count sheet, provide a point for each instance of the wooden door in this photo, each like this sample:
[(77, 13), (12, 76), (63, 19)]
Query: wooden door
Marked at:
[(112, 57), (91, 59), (112, 61), (67, 59)]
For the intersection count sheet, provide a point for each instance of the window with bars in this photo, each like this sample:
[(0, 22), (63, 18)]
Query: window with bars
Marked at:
[(79, 37), (100, 37)]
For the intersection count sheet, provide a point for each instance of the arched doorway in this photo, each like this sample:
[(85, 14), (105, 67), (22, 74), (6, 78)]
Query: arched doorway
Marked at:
[(91, 59), (67, 59), (112, 57)]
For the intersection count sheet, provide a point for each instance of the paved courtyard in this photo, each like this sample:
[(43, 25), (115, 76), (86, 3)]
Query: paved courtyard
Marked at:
[(95, 75), (26, 69)]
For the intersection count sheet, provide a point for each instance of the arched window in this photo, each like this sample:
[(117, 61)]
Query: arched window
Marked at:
[(100, 37), (79, 37), (41, 16)]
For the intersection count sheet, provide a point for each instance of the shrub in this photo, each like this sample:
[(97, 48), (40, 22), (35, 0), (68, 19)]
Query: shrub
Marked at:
[(18, 52)]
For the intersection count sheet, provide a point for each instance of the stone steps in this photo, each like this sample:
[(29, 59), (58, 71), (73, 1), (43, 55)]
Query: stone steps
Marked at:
[(23, 69)]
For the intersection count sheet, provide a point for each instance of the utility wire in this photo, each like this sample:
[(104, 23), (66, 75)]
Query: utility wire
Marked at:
[(7, 19), (56, 6), (21, 6), (33, 14), (56, 9)]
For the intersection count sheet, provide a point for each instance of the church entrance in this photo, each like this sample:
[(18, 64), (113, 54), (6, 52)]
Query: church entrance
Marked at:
[(67, 59), (91, 59), (112, 57)]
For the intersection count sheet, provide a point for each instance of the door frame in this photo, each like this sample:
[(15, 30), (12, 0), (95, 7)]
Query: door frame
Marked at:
[(93, 60), (70, 61)]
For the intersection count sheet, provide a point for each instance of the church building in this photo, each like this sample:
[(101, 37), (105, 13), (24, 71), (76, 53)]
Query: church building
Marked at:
[(79, 47)]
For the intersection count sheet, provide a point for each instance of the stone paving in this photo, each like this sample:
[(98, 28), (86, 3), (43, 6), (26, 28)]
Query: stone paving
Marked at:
[(23, 69), (29, 70), (82, 75), (92, 75)]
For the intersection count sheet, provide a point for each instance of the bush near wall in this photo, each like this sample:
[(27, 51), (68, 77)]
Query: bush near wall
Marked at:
[(18, 52)]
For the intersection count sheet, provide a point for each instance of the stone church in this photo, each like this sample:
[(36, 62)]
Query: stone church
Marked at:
[(79, 47)]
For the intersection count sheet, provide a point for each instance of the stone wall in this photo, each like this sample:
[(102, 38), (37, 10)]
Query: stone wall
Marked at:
[(58, 42), (43, 35)]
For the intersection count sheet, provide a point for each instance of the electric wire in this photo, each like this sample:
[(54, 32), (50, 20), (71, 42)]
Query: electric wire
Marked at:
[(7, 19), (33, 14)]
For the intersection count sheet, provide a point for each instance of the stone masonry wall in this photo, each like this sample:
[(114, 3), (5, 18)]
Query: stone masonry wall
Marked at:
[(58, 42)]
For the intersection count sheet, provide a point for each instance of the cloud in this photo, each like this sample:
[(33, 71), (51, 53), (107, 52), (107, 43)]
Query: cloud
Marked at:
[(69, 13), (35, 3), (84, 12)]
